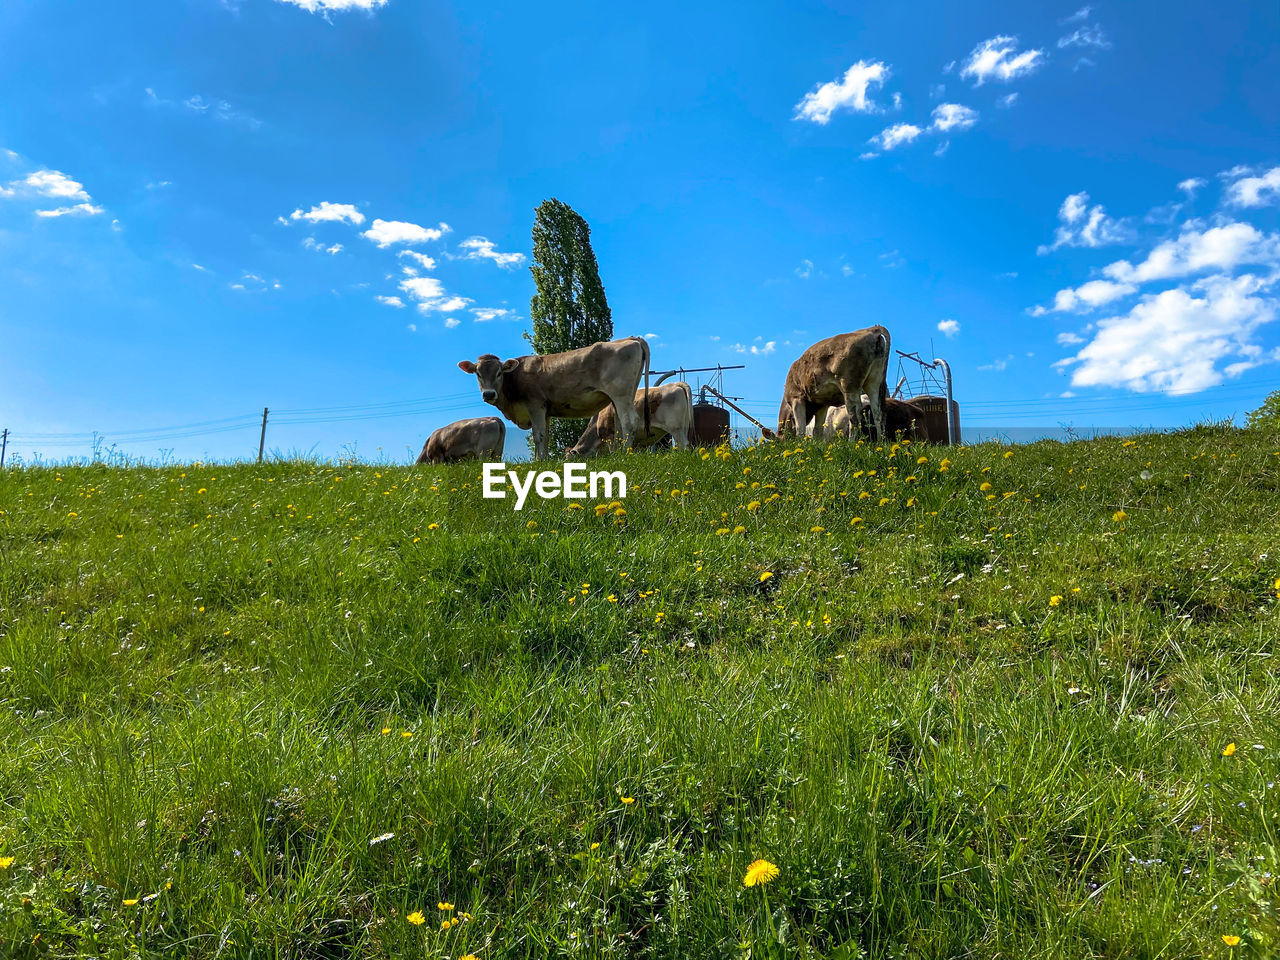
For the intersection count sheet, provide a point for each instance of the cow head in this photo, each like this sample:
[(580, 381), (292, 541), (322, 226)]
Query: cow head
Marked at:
[(489, 371)]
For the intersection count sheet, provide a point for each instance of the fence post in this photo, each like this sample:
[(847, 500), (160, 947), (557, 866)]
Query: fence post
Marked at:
[(262, 438), (952, 425), (4, 445)]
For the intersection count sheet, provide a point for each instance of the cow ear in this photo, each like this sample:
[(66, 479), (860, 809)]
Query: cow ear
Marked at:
[(466, 366), (510, 365)]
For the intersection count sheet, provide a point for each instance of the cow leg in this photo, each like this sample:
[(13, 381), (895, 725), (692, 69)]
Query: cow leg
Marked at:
[(820, 421), (624, 410), (538, 423), (853, 403), (799, 416), (680, 435)]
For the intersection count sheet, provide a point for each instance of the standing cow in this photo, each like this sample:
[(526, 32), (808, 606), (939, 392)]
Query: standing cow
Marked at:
[(575, 383), (670, 412), (481, 438), (837, 371)]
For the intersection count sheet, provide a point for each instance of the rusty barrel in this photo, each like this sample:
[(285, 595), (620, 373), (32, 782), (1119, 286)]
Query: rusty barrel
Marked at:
[(935, 417), (710, 425)]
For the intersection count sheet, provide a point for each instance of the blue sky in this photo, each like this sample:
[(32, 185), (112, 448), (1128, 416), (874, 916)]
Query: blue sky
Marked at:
[(320, 206)]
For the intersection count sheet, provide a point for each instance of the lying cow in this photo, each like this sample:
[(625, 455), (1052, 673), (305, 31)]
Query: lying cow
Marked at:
[(670, 412), (576, 383), (902, 420), (481, 438), (837, 371)]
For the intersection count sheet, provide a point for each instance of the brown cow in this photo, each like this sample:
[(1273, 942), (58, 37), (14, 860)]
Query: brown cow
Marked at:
[(837, 371), (576, 383), (670, 412), (479, 438)]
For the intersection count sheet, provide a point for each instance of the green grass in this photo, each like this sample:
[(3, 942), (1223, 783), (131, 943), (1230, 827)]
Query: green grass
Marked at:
[(197, 666)]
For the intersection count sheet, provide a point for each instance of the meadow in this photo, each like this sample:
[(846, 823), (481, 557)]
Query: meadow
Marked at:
[(977, 702)]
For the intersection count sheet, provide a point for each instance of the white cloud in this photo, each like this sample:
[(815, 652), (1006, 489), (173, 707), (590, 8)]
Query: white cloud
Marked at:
[(1007, 101), (758, 349), (53, 184), (450, 322), (480, 248), (485, 314), (895, 136), (326, 211), (953, 116), (386, 232), (849, 93), (331, 6), (423, 288), (78, 210), (949, 327), (998, 59), (444, 305), (390, 301), (942, 148), (1174, 341), (1191, 185), (1069, 339), (1254, 191), (1090, 35), (336, 248), (200, 268), (997, 365), (1087, 296), (412, 328), (425, 262), (1218, 248), (1082, 226), (1080, 15), (805, 270)]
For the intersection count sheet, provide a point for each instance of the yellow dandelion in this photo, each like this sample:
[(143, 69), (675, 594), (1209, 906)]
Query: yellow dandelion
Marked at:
[(611, 598), (1230, 939), (1229, 750), (1055, 600), (385, 731), (1277, 586), (628, 800), (755, 505), (406, 734), (444, 906), (130, 903), (760, 871), (985, 487), (765, 576), (739, 529), (855, 521), (433, 526), (6, 863), (595, 846), (416, 918), (1118, 516)]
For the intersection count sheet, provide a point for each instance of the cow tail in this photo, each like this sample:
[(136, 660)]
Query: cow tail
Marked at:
[(645, 343)]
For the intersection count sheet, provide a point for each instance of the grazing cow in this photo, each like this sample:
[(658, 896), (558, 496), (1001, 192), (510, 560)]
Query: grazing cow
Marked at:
[(576, 383), (837, 372), (479, 438), (670, 412)]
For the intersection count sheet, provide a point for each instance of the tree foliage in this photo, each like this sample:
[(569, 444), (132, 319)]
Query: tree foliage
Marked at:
[(569, 309), (1267, 415)]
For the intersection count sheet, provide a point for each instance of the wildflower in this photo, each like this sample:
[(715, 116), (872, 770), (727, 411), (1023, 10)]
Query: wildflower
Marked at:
[(611, 598), (765, 576), (1230, 939), (531, 524), (444, 906), (595, 846), (129, 903), (722, 531), (755, 505), (985, 487), (385, 731), (6, 863), (1055, 600), (760, 871), (406, 734), (739, 529), (855, 521), (816, 529), (416, 918), (628, 800), (433, 526), (1118, 516), (1277, 586), (1008, 454), (381, 838), (1229, 750), (922, 460)]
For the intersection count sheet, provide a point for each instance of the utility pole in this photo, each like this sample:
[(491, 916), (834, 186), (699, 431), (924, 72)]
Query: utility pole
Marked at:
[(262, 438), (4, 445)]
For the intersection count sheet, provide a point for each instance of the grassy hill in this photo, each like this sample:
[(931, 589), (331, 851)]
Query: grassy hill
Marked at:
[(982, 702)]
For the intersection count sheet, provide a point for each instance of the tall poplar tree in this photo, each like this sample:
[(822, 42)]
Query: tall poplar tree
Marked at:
[(569, 309)]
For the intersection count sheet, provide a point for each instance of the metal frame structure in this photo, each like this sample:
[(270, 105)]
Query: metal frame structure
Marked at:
[(930, 383)]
